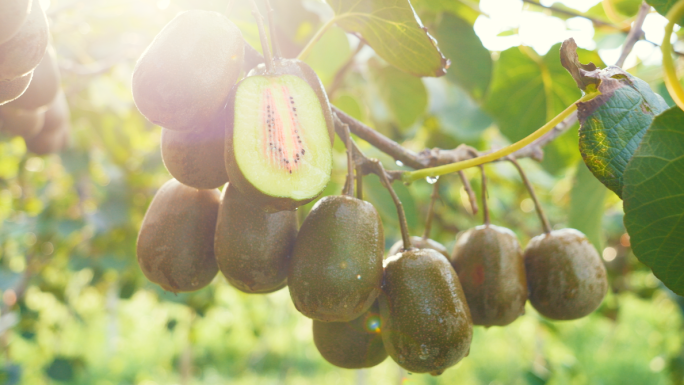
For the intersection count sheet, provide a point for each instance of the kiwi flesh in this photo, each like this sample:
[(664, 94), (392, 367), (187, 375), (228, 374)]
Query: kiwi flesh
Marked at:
[(13, 14), (426, 321), (44, 86), (279, 135), (489, 262), (12, 89), (183, 78), (23, 52), (566, 278), (195, 158), (253, 247), (336, 267), (176, 240), (418, 243), (355, 344), (25, 123), (55, 132)]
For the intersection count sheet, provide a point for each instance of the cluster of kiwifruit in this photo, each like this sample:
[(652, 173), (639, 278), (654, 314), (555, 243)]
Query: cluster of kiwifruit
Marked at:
[(271, 135), (32, 104)]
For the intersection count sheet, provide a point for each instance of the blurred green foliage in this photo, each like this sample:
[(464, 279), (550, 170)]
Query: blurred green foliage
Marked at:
[(68, 222)]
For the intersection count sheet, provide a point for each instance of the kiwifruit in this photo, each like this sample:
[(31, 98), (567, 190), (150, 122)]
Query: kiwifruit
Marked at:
[(55, 132), (13, 14), (352, 345), (489, 262), (195, 158), (12, 89), (336, 267), (253, 247), (279, 136), (426, 321), (44, 86), (418, 243), (25, 123), (183, 78), (21, 54), (566, 278), (176, 239)]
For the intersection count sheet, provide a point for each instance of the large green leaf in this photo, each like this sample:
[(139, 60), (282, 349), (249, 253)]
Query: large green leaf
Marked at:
[(404, 95), (654, 199), (471, 62), (663, 6), (467, 11), (587, 205), (394, 31)]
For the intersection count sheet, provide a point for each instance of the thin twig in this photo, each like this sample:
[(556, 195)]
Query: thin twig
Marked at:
[(379, 170), (485, 208), (575, 14), (540, 211), (635, 33), (469, 190), (431, 208), (262, 35)]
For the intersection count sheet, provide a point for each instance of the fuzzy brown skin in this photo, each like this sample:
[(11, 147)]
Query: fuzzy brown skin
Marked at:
[(252, 247), (489, 264), (352, 345), (195, 158), (21, 122), (12, 89), (13, 14), (183, 78), (565, 275), (427, 326), (418, 243), (44, 87), (176, 239), (21, 54), (267, 202), (336, 267), (55, 134)]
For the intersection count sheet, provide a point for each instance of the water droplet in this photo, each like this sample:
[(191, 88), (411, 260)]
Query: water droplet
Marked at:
[(399, 163), (358, 276), (424, 352), (432, 179)]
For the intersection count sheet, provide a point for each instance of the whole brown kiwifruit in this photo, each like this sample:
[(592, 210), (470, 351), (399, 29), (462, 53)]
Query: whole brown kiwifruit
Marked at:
[(12, 89), (183, 78), (489, 262), (176, 240), (44, 86), (426, 321), (352, 345), (253, 247), (25, 123), (23, 52), (195, 158), (13, 14), (418, 243), (566, 278), (56, 130)]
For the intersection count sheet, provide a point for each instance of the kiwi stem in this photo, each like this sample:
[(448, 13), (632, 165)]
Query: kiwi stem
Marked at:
[(349, 191), (469, 190), (268, 58), (540, 211), (359, 182), (431, 210), (272, 29), (485, 208), (319, 34), (379, 170)]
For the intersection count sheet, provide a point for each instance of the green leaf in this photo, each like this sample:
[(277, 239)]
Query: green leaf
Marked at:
[(394, 31), (654, 199), (329, 55), (459, 116), (663, 6), (626, 8), (456, 7), (471, 63), (404, 95), (587, 205)]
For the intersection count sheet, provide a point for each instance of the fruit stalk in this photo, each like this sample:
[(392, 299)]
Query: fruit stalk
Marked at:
[(349, 185), (271, 28), (413, 176), (268, 58), (485, 208), (537, 205), (359, 182), (671, 82), (469, 190), (431, 210), (380, 171)]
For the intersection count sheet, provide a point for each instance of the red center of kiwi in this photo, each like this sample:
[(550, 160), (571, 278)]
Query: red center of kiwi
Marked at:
[(284, 147)]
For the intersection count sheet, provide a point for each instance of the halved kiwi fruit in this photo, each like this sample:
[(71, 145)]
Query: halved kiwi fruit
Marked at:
[(183, 78), (279, 135), (176, 240), (13, 14), (12, 89), (21, 54)]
